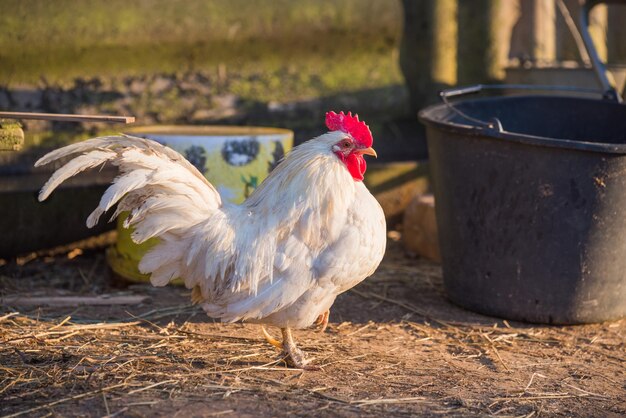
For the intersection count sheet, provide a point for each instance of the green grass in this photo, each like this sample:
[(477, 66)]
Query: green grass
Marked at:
[(84, 23), (325, 45)]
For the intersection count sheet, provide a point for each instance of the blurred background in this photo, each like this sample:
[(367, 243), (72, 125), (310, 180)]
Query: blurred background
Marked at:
[(279, 63)]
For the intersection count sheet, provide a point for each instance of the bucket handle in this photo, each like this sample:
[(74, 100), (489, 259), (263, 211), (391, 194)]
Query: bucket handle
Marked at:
[(494, 124)]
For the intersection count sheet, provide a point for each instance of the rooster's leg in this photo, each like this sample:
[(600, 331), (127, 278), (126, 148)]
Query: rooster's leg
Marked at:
[(293, 355), (322, 321)]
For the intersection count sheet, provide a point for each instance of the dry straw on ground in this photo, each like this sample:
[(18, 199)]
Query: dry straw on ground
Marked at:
[(395, 346)]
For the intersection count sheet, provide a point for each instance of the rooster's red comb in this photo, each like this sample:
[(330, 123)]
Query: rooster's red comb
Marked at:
[(350, 125)]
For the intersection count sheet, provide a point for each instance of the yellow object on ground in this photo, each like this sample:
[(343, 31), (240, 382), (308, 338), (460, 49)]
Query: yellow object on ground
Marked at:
[(11, 135)]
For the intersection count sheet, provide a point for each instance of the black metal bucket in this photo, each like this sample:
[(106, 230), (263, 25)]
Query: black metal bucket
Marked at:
[(532, 218)]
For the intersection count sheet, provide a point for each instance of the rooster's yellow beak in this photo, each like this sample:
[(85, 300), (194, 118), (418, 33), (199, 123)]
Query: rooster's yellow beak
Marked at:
[(368, 151)]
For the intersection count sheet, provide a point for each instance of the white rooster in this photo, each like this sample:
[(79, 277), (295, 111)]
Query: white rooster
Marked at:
[(309, 232)]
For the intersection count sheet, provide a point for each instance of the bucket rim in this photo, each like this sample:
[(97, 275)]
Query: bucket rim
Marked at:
[(427, 117)]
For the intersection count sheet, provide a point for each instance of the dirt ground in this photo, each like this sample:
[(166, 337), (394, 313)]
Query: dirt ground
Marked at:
[(395, 347)]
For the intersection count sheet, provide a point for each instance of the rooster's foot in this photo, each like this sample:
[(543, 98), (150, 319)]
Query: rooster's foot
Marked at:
[(322, 321), (293, 356)]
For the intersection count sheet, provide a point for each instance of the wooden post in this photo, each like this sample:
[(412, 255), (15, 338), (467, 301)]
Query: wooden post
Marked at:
[(11, 135), (616, 34), (484, 33), (598, 19), (543, 29), (428, 50)]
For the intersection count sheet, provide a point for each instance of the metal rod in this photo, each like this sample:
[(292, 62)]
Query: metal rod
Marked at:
[(67, 117), (598, 66), (573, 30)]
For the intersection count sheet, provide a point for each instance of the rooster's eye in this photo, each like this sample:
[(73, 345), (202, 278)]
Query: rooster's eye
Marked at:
[(346, 144)]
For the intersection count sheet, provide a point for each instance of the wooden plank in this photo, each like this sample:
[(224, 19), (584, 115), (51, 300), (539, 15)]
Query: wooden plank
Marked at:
[(68, 117)]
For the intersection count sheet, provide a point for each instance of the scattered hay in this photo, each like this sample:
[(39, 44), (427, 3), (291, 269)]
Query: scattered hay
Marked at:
[(395, 346)]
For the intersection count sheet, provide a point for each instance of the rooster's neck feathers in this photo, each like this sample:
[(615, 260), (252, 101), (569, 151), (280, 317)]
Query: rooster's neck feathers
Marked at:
[(312, 163)]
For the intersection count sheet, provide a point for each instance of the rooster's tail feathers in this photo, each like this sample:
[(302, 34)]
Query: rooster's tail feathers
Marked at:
[(162, 191)]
